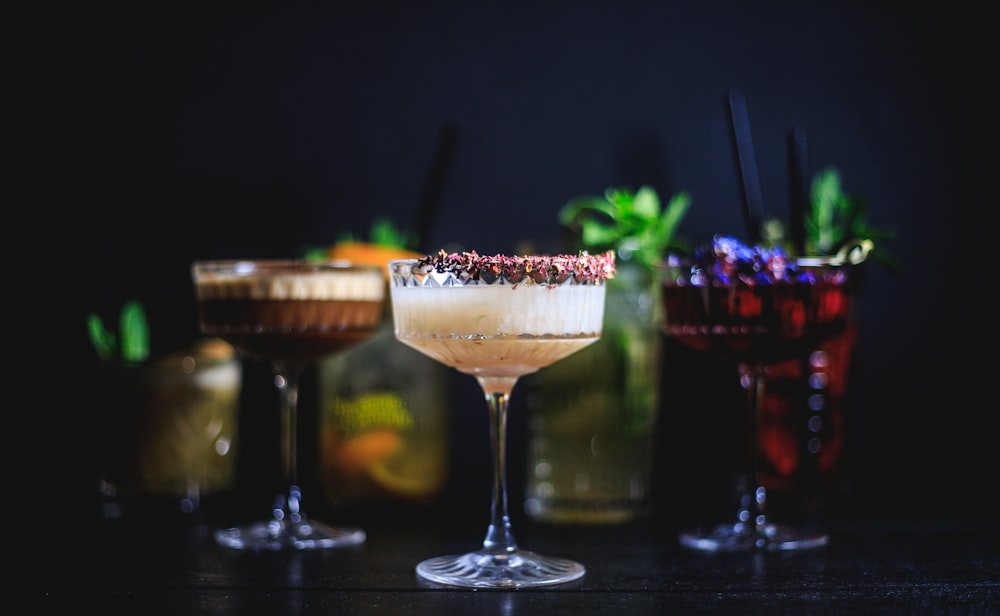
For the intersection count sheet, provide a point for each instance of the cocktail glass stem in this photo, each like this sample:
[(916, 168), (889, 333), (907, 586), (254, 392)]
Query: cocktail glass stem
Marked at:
[(753, 495), (289, 528), (500, 563), (499, 536), (286, 379)]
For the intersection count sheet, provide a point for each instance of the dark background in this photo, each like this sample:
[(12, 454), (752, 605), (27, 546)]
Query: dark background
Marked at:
[(180, 131)]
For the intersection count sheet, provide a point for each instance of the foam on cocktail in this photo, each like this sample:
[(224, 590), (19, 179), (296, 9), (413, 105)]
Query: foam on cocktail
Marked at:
[(335, 285), (499, 310)]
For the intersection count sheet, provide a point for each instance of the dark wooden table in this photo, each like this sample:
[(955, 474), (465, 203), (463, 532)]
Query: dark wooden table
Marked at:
[(869, 566)]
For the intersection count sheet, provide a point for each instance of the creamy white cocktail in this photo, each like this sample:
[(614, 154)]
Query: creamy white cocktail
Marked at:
[(498, 318), (499, 330)]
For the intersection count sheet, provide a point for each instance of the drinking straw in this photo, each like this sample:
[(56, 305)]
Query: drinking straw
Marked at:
[(430, 198), (798, 188), (753, 201)]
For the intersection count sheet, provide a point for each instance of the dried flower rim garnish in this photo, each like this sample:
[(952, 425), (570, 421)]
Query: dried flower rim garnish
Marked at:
[(538, 269)]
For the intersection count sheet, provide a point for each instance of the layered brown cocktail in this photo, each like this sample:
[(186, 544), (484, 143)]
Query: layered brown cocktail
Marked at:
[(288, 312)]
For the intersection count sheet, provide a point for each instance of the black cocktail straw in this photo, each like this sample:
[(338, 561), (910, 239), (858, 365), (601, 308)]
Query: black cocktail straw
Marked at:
[(753, 201), (798, 188), (434, 183)]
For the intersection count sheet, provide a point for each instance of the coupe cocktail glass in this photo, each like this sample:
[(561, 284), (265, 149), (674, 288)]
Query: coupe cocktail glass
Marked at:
[(291, 314), (498, 318), (753, 306)]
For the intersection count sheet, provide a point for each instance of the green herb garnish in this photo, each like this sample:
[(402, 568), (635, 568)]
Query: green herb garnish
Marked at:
[(385, 233), (130, 344), (632, 223), (834, 220)]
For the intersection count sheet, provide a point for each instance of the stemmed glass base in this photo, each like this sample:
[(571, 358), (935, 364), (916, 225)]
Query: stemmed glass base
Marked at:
[(741, 537), (486, 569), (289, 529), (285, 535), (500, 563)]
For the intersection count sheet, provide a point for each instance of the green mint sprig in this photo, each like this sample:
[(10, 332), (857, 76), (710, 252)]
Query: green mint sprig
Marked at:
[(633, 223), (835, 219), (130, 344)]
